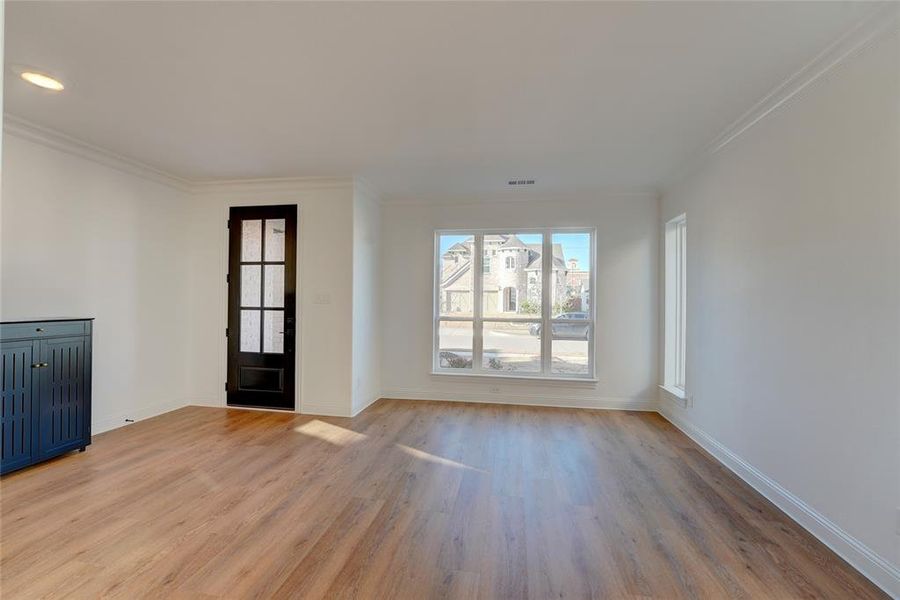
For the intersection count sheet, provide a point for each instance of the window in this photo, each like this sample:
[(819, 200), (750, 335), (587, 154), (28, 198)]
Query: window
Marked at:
[(675, 305), (492, 321)]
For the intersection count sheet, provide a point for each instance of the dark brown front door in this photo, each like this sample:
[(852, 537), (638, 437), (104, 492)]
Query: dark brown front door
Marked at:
[(262, 276)]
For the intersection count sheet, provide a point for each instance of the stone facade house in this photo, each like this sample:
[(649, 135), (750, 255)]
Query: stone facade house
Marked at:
[(512, 278)]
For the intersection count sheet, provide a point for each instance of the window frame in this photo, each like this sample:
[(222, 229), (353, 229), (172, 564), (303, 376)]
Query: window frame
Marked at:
[(546, 319), (675, 307)]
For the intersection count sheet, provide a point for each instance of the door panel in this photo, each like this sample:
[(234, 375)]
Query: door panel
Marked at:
[(62, 394), (262, 275), (18, 365)]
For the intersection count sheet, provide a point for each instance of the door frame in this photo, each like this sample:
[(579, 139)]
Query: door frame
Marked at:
[(272, 200)]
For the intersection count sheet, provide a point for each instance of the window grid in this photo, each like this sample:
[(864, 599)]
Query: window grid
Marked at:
[(260, 307), (546, 319)]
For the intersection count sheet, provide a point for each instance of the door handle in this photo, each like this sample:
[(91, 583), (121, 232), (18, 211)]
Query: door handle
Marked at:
[(40, 365)]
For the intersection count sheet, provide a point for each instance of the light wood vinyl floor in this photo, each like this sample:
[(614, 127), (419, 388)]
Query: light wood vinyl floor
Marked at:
[(408, 500)]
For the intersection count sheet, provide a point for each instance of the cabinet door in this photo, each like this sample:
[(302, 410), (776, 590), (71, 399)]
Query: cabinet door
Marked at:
[(62, 395), (17, 429)]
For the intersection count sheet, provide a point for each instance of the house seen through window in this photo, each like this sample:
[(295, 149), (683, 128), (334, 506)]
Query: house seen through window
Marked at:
[(491, 321)]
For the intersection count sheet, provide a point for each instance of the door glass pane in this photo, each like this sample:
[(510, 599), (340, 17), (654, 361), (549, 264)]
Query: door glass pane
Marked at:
[(275, 239), (511, 287), (273, 331), (455, 345), (571, 277), (510, 346), (274, 288), (250, 285), (456, 274), (570, 345), (249, 331), (251, 240)]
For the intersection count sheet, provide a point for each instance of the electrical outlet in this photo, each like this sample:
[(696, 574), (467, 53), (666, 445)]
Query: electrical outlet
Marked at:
[(495, 389), (322, 298), (690, 401)]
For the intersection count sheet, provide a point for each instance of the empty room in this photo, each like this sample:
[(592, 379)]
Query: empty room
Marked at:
[(463, 300)]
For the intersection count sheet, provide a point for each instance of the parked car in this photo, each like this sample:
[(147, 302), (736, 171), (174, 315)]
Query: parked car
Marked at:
[(576, 326)]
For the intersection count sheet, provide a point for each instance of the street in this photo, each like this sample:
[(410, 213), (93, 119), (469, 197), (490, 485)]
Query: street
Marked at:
[(515, 349)]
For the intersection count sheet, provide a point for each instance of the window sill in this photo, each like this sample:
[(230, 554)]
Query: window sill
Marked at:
[(523, 377)]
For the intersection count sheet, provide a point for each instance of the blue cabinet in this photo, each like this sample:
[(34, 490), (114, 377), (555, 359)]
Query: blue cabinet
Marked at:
[(45, 376)]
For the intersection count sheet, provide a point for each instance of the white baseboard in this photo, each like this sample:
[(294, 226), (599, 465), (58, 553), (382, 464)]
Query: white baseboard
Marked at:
[(207, 402), (322, 411), (876, 568), (305, 409), (110, 422), (525, 399), (371, 401)]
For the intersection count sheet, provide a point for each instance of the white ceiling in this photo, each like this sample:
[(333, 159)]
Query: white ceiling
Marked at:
[(420, 99)]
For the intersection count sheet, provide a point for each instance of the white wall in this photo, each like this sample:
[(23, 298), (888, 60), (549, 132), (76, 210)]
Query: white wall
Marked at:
[(148, 260), (2, 60), (366, 298), (794, 307), (325, 289), (83, 239), (627, 245)]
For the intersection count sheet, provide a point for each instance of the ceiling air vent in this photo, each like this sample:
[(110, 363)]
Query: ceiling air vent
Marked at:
[(521, 182)]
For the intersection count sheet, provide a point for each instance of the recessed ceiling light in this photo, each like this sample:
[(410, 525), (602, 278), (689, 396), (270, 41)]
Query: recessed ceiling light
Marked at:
[(41, 80)]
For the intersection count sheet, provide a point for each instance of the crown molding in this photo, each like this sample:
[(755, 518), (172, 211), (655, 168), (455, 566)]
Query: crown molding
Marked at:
[(271, 185), (365, 187), (880, 21), (57, 140), (585, 196), (517, 198), (32, 132)]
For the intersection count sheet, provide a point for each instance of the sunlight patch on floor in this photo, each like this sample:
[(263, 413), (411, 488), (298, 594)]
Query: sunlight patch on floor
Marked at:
[(330, 433), (439, 460)]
